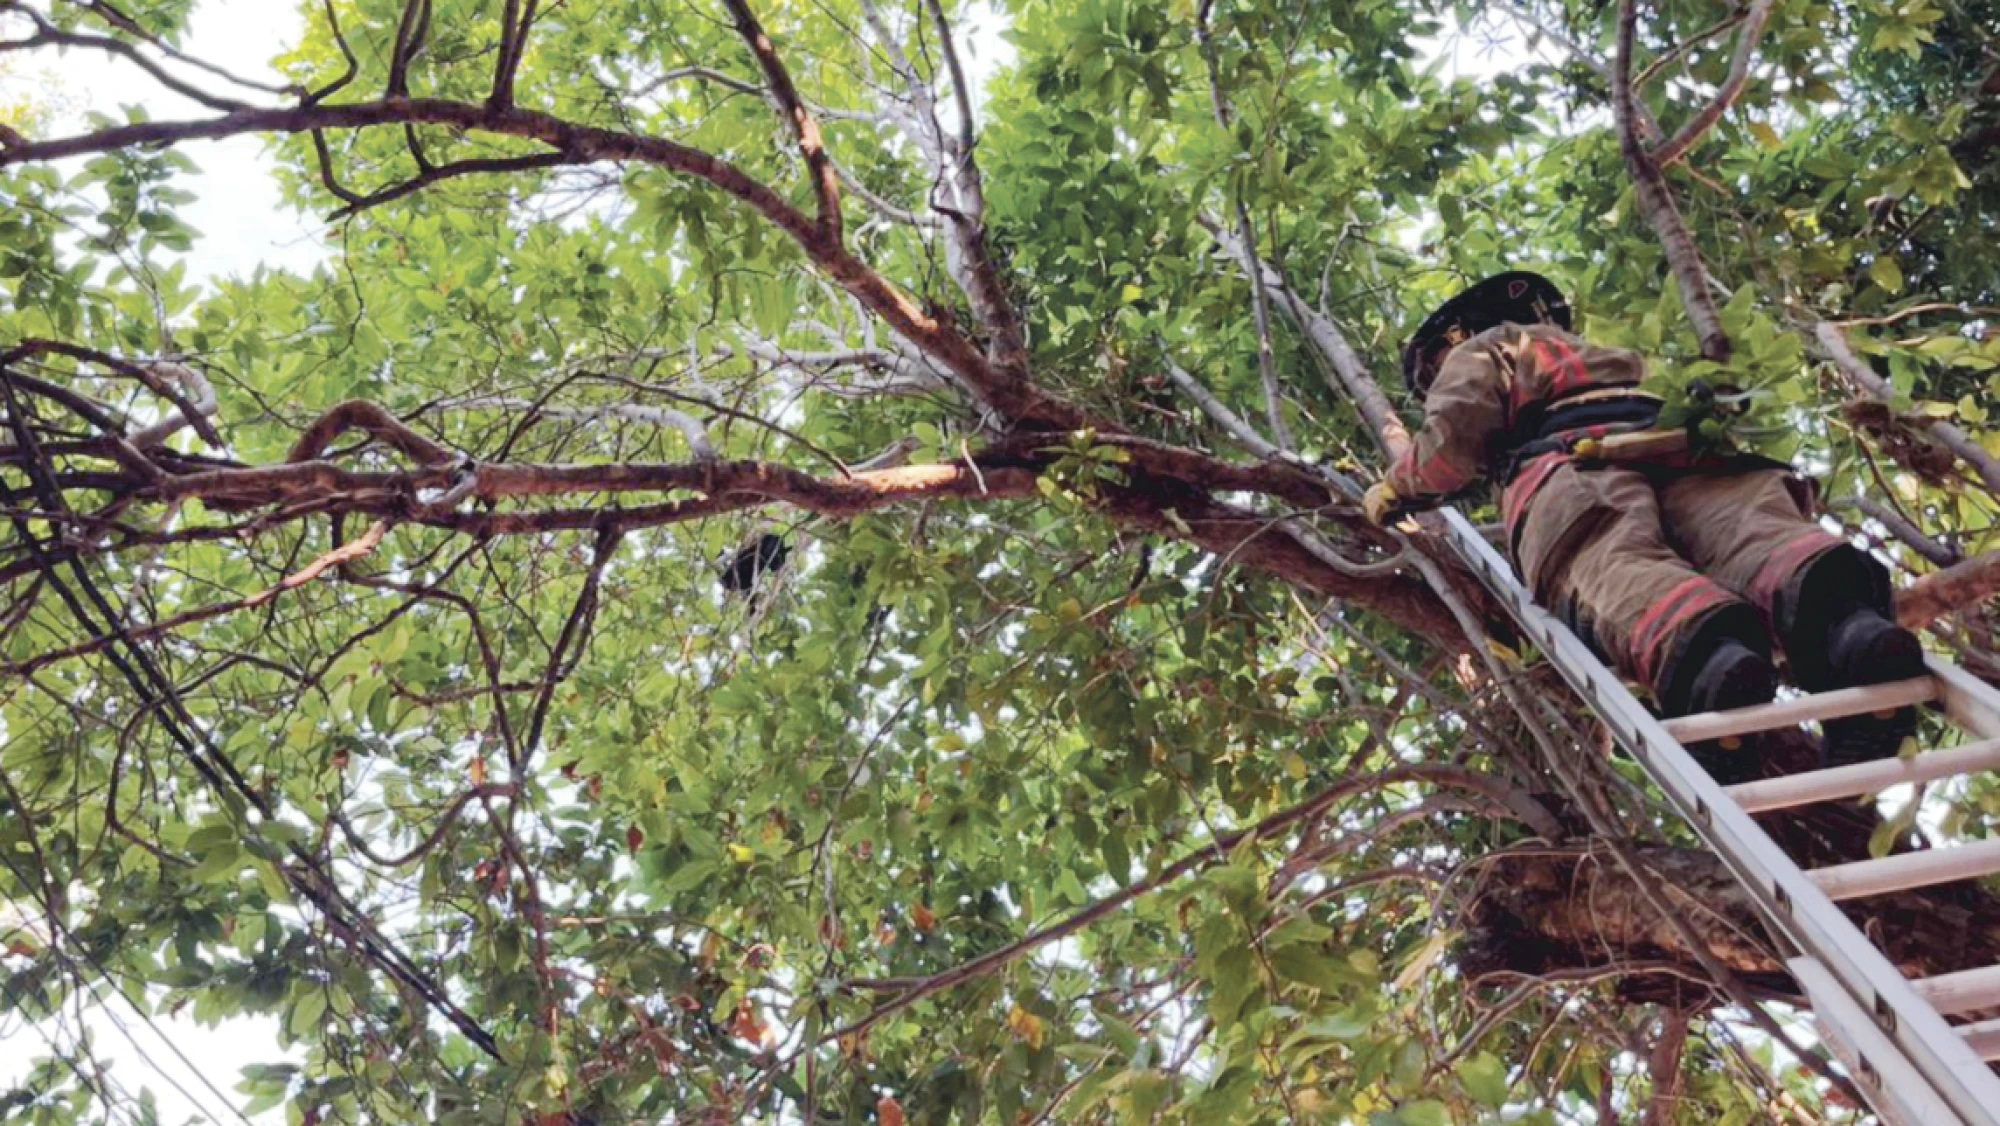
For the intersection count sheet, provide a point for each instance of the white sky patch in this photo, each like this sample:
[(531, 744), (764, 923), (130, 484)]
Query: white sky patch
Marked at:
[(241, 218)]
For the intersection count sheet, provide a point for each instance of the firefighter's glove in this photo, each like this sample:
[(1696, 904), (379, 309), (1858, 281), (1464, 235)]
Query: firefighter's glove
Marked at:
[(1379, 503)]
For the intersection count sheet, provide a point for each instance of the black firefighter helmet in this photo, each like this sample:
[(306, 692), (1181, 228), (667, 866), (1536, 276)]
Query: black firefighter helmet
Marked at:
[(1517, 296)]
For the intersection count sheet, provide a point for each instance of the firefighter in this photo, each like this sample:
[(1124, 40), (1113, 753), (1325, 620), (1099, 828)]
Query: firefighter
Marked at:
[(1679, 567)]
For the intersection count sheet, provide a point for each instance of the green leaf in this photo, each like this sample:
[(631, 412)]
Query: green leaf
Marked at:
[(1484, 1078), (219, 865), (1884, 271)]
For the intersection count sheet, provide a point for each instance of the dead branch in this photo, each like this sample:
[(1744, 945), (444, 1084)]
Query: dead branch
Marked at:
[(203, 403), (1906, 533), (153, 380), (1351, 379), (968, 260)]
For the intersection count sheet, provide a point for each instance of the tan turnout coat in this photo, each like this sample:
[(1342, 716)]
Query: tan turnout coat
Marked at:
[(1633, 555)]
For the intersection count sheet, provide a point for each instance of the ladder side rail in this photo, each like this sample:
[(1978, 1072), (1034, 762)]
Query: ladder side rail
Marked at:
[(1971, 703), (1900, 1096), (1788, 898)]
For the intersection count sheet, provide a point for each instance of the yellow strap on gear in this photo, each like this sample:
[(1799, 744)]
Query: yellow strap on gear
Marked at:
[(1635, 446)]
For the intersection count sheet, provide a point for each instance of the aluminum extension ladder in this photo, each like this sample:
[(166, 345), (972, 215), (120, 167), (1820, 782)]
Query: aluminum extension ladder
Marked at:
[(1891, 1033)]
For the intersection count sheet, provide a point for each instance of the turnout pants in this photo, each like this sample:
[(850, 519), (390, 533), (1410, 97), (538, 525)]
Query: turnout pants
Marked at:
[(1638, 559)]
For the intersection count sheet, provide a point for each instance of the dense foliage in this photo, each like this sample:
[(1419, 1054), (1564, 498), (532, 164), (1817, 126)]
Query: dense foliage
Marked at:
[(1058, 774)]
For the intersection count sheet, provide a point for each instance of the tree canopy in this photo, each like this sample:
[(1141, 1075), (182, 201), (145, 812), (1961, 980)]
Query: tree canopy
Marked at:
[(765, 583)]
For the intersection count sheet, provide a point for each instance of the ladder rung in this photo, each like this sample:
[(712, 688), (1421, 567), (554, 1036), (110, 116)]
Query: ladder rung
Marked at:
[(1983, 1038), (1909, 870), (1961, 992), (1865, 777), (1789, 713)]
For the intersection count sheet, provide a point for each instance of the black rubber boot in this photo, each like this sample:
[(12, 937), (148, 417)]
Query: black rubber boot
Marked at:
[(1822, 595), (1733, 676), (1722, 674), (1834, 618), (1867, 648)]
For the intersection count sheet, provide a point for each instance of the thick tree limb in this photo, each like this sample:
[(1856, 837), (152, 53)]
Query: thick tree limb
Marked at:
[(1664, 1067), (1656, 201), (792, 108), (1004, 387), (1963, 586), (377, 423)]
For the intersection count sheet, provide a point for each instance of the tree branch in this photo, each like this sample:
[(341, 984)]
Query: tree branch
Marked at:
[(1006, 389), (1963, 586), (1664, 1067), (1656, 201), (1215, 851), (515, 23), (1911, 536), (345, 553), (356, 203), (1732, 87), (153, 381), (410, 31), (1831, 342), (1351, 378), (1246, 249), (805, 130), (47, 34), (377, 423), (968, 261)]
